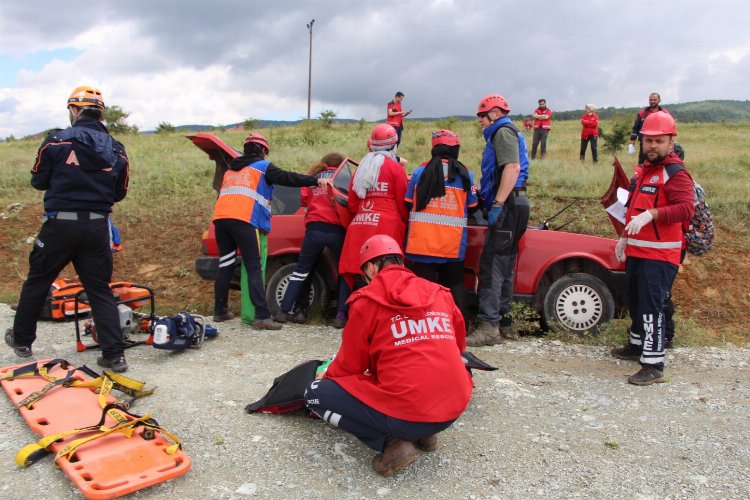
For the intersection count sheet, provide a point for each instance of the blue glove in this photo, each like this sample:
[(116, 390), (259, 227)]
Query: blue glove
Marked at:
[(494, 213)]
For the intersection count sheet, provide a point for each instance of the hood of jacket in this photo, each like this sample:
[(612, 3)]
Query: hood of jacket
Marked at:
[(398, 288)]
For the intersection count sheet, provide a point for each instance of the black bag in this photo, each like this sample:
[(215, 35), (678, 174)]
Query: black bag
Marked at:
[(287, 393)]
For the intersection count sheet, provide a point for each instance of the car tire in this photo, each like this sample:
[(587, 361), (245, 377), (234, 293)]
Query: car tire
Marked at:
[(279, 281), (578, 303)]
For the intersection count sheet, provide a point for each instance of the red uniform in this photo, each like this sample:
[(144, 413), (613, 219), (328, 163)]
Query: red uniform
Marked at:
[(590, 122), (319, 206), (663, 238), (401, 349), (545, 124), (395, 120), (382, 211)]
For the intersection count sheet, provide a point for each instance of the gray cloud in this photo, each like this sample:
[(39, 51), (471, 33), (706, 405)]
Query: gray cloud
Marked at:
[(444, 55)]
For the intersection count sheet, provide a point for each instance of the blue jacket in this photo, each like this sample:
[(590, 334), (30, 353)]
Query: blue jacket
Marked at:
[(490, 171), (81, 168)]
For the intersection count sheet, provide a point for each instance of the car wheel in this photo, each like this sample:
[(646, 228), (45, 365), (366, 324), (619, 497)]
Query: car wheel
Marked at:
[(578, 303), (279, 282)]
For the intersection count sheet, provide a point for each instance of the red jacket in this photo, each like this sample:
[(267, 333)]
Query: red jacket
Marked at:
[(382, 211), (319, 206), (590, 122), (395, 120), (663, 238), (545, 124), (401, 349)]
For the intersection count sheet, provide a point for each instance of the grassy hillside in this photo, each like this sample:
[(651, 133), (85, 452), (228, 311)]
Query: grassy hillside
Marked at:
[(170, 202)]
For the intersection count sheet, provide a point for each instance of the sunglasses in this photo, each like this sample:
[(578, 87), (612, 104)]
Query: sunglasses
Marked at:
[(483, 115)]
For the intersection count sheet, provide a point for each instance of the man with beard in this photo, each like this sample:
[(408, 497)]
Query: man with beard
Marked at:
[(660, 203)]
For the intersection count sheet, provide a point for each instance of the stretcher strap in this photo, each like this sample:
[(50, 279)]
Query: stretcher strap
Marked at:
[(127, 424)]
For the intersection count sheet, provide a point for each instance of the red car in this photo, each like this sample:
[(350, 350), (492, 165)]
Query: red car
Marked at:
[(572, 280)]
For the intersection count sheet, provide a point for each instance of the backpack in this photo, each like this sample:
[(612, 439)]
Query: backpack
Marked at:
[(700, 233)]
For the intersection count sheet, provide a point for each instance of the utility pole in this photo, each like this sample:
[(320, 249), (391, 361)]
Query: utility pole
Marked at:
[(309, 69)]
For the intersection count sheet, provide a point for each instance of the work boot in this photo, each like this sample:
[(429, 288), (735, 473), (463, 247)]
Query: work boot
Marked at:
[(266, 324), (339, 321), (20, 350), (628, 352), (221, 316), (427, 444), (506, 328), (117, 364), (484, 334), (647, 375), (298, 317), (281, 317), (396, 455)]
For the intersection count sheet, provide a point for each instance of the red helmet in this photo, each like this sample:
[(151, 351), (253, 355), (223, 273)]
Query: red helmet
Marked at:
[(258, 139), (86, 97), (383, 137), (445, 137), (659, 123), (492, 101), (377, 246)]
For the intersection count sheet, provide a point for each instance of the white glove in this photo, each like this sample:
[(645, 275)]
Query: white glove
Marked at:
[(620, 249), (636, 223), (631, 149)]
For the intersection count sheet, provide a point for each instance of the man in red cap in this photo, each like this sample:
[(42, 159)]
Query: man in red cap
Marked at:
[(660, 204), (398, 378)]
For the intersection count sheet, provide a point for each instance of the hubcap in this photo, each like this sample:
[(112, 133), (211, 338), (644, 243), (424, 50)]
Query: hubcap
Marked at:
[(579, 307)]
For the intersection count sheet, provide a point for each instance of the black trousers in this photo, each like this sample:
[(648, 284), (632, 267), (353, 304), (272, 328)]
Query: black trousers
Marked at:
[(85, 243), (447, 274), (594, 151), (337, 407), (232, 234), (318, 237)]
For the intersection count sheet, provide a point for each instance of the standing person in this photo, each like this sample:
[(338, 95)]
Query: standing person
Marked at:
[(323, 230), (505, 169), (660, 203), (376, 199), (244, 206), (395, 115), (440, 195), (653, 106), (590, 132), (398, 378), (83, 172), (542, 125)]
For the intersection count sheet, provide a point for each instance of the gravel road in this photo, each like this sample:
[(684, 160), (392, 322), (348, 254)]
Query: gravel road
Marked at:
[(555, 421)]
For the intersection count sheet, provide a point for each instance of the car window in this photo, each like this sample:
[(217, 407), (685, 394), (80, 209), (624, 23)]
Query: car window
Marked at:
[(285, 200), (344, 176)]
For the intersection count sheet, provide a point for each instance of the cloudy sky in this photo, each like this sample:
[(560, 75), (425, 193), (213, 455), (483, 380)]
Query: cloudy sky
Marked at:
[(223, 61)]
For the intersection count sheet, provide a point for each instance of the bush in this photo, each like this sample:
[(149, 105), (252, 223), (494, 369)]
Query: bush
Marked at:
[(619, 134), (327, 117), (115, 117), (164, 128)]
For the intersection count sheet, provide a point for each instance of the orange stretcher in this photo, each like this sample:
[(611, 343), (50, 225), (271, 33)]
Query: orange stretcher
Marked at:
[(106, 451)]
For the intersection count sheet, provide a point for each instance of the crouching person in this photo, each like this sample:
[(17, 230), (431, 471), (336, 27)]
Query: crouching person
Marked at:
[(398, 378)]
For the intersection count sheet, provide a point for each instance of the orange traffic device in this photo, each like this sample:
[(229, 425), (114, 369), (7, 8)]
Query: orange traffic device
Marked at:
[(106, 450)]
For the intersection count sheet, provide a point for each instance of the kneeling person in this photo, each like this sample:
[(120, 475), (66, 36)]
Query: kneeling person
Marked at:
[(398, 378)]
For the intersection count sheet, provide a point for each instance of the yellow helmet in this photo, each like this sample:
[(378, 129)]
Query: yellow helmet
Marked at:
[(85, 96)]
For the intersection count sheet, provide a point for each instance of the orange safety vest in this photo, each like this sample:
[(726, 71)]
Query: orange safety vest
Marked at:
[(439, 229), (245, 196)]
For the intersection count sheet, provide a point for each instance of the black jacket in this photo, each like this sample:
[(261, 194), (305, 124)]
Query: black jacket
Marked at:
[(81, 168)]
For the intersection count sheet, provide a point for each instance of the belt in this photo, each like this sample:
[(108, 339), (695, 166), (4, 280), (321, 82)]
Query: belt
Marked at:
[(74, 216)]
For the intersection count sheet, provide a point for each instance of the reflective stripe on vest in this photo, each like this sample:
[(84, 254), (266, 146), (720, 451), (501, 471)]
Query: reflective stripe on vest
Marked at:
[(442, 220), (244, 191), (654, 244)]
